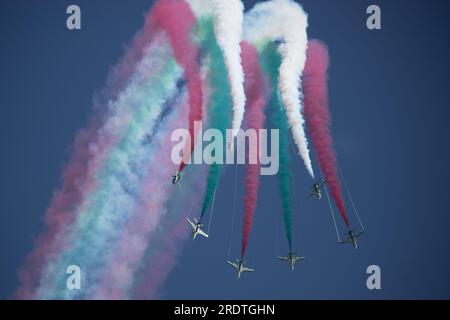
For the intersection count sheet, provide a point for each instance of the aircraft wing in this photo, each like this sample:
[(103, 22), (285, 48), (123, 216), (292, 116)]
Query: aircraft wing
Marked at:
[(283, 258), (200, 231), (233, 264), (360, 233), (310, 195), (248, 269), (345, 241), (192, 224), (298, 258)]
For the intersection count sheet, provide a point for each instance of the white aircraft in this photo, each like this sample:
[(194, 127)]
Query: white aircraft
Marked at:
[(239, 266), (291, 258), (352, 238), (196, 228)]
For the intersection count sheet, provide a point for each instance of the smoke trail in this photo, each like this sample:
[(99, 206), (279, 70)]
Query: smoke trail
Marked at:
[(177, 20), (284, 173), (286, 21), (271, 63), (117, 277), (167, 241), (60, 213), (102, 213), (149, 227), (255, 119), (228, 19), (318, 118), (89, 150), (218, 110), (202, 8)]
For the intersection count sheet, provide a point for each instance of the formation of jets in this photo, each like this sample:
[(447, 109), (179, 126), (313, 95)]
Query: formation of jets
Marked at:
[(239, 266), (291, 258)]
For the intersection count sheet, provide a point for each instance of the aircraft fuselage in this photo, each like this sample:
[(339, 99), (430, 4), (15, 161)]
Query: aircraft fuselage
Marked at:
[(240, 269), (353, 239), (196, 232)]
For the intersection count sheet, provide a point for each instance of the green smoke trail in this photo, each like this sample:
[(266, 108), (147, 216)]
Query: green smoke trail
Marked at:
[(219, 106), (271, 61)]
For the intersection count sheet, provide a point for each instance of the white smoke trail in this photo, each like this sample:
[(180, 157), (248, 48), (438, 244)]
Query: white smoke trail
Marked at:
[(228, 19), (286, 21)]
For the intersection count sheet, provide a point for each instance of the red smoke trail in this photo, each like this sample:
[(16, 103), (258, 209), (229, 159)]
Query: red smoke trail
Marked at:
[(318, 118), (177, 20), (255, 119)]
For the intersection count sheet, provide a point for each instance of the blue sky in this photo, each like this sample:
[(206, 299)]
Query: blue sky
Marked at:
[(388, 98)]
